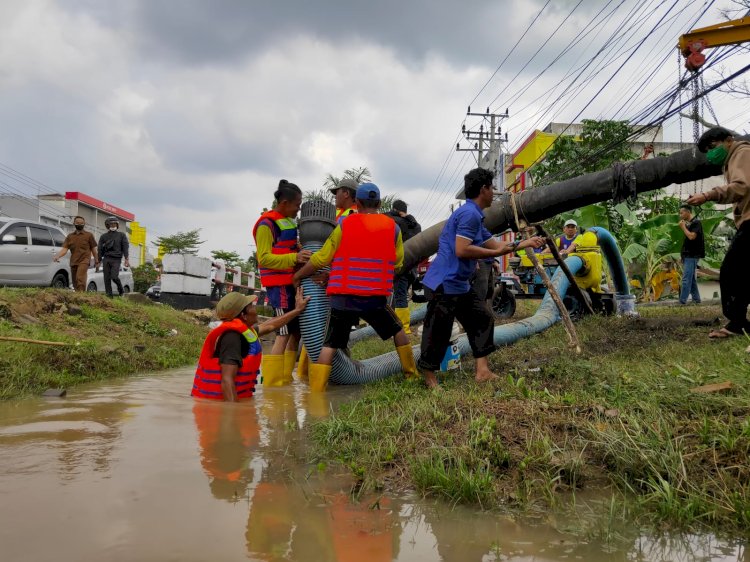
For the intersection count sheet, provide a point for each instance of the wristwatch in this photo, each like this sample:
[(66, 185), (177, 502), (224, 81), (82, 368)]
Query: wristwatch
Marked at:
[(514, 245)]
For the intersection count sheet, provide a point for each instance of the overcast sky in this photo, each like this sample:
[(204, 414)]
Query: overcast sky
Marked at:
[(187, 113)]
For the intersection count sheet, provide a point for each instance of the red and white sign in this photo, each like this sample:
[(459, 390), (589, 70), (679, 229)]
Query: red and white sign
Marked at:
[(101, 205)]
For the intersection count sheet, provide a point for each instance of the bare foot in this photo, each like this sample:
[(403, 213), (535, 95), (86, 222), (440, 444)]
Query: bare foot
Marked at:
[(430, 380), (485, 376)]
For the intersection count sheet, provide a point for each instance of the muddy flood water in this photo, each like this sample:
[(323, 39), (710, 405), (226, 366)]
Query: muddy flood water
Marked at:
[(137, 470)]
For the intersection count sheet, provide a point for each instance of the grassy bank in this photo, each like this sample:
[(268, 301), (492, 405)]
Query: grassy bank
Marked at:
[(620, 417), (109, 338)]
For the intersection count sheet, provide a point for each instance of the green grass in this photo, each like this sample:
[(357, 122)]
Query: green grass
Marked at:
[(109, 338), (620, 417)]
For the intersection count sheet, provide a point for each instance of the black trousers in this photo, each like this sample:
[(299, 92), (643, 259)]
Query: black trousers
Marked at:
[(483, 280), (734, 281), (112, 273), (472, 313), (217, 291)]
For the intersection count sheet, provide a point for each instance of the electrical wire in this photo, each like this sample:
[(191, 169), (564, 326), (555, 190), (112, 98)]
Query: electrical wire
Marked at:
[(609, 80), (637, 131), (528, 28), (608, 50), (585, 32), (437, 201), (609, 47)]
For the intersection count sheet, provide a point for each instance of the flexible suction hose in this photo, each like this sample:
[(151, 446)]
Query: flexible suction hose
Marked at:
[(417, 316), (611, 252), (313, 321), (346, 371)]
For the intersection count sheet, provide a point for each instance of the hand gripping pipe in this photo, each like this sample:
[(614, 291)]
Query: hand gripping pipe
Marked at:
[(317, 221)]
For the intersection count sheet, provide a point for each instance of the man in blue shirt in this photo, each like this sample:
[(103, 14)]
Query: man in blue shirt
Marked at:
[(463, 241)]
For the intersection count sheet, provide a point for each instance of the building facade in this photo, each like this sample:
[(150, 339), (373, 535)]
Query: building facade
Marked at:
[(60, 209)]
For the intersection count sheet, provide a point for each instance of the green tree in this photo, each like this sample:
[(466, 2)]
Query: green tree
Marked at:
[(144, 276), (231, 259), (386, 203), (651, 245), (600, 145), (180, 243), (360, 175)]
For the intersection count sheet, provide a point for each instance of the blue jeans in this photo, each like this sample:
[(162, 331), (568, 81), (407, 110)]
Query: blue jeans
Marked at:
[(401, 291), (689, 281)]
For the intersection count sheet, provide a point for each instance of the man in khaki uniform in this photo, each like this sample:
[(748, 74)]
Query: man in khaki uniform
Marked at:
[(82, 246)]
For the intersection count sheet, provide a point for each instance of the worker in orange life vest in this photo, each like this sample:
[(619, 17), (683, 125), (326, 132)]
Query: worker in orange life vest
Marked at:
[(365, 251), (229, 362), (346, 203), (278, 253)]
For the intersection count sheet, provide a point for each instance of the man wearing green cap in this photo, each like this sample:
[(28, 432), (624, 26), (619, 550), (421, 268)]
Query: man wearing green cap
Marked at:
[(229, 363)]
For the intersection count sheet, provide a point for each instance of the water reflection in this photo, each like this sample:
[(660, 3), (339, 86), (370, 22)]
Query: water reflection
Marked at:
[(81, 437), (226, 435), (150, 474), (296, 513)]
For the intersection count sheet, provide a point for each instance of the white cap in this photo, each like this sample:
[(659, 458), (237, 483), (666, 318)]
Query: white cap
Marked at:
[(571, 222)]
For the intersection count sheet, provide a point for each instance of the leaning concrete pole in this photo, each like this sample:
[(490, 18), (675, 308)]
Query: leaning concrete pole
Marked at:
[(535, 205)]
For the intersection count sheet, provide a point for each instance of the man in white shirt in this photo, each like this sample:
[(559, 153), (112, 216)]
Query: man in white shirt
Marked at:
[(220, 275)]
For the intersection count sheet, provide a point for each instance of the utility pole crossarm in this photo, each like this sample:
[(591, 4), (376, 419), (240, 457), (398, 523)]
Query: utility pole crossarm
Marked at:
[(694, 42)]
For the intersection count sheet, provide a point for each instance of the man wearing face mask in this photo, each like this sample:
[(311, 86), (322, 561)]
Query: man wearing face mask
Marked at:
[(82, 246), (113, 246), (734, 157)]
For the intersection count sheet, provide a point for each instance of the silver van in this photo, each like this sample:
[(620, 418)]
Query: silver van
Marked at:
[(27, 249)]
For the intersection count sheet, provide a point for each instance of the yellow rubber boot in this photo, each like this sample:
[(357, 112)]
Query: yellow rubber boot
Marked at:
[(290, 358), (405, 316), (318, 404), (318, 376), (303, 364), (408, 365), (272, 370)]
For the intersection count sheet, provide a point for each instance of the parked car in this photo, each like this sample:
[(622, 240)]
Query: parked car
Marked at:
[(154, 292), (95, 282), (27, 249)]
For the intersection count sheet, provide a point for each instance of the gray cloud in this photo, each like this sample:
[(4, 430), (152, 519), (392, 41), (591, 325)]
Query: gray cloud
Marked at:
[(223, 32), (188, 112)]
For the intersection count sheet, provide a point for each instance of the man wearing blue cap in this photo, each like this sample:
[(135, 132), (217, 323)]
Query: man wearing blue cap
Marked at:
[(365, 251)]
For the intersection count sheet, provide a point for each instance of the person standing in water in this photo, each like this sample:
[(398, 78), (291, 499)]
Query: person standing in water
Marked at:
[(278, 254)]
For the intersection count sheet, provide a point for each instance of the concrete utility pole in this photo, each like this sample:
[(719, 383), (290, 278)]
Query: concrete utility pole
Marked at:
[(488, 143)]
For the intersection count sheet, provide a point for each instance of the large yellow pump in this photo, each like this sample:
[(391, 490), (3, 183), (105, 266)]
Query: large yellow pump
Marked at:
[(587, 248), (590, 275)]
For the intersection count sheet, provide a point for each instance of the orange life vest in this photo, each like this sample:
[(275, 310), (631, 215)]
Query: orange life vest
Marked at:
[(284, 232), (364, 261), (220, 428), (341, 214), (207, 381)]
